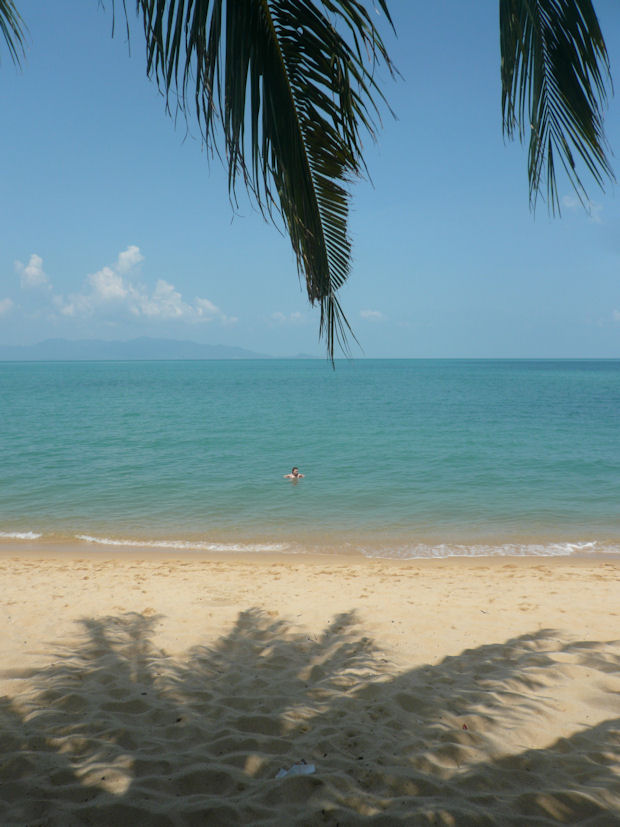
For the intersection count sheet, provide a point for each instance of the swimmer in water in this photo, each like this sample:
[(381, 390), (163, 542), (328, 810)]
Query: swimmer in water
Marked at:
[(294, 475)]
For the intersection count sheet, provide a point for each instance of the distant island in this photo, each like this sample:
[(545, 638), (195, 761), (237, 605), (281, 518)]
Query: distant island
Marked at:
[(144, 348)]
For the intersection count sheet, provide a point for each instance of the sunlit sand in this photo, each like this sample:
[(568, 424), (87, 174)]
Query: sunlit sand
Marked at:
[(143, 690)]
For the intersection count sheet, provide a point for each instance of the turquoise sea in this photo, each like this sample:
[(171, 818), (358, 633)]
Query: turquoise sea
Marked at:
[(402, 458)]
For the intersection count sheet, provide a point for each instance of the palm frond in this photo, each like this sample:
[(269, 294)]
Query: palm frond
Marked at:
[(555, 72), (291, 84), (12, 28)]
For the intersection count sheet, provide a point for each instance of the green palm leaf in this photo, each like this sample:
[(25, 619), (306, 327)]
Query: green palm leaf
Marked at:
[(11, 26), (554, 73), (291, 84)]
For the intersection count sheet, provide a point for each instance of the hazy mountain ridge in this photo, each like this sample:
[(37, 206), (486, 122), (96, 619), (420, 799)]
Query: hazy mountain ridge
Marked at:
[(143, 348)]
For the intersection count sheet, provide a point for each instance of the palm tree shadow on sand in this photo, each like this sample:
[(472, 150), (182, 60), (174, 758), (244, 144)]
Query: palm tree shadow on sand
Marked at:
[(116, 731)]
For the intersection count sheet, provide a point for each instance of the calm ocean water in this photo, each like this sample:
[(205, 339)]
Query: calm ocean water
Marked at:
[(403, 458)]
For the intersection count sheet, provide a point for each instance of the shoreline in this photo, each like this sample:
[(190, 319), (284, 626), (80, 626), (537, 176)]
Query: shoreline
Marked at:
[(62, 551), (117, 548)]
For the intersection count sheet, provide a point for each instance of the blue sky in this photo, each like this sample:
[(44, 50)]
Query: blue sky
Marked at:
[(115, 224)]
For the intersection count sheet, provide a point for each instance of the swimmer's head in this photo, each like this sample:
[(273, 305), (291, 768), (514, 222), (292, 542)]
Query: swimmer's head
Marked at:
[(295, 471)]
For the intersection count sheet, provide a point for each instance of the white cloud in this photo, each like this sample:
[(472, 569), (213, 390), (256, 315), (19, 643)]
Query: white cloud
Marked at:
[(128, 259), (107, 285), (207, 308), (6, 305), (112, 291), (209, 311), (290, 318), (32, 274), (570, 202), (616, 315), (164, 303), (593, 208), (372, 315)]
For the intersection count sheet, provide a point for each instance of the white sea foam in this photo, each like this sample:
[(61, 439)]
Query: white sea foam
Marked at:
[(20, 535), (442, 550), (396, 550), (183, 545)]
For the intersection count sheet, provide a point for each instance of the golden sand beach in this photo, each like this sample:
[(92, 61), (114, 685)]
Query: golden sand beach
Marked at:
[(142, 690)]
